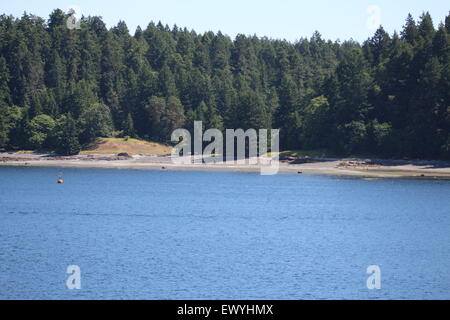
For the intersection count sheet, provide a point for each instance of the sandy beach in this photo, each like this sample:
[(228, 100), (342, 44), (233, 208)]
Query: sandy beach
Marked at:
[(370, 168)]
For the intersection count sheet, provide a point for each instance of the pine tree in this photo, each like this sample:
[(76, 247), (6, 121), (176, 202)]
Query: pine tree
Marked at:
[(426, 28), (410, 32), (129, 126), (5, 94), (66, 136), (388, 95), (441, 45), (95, 121), (380, 44)]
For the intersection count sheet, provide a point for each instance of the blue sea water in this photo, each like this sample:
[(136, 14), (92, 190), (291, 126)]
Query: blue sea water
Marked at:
[(215, 235)]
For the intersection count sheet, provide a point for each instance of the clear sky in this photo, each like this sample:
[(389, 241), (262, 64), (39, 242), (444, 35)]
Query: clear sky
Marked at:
[(282, 19)]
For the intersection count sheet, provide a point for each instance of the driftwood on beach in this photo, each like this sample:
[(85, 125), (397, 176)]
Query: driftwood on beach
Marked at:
[(294, 165)]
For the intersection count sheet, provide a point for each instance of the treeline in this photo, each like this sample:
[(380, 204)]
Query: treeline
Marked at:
[(62, 88)]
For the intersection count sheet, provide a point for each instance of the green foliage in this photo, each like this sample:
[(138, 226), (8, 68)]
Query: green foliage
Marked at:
[(165, 115), (65, 136), (10, 118), (129, 126), (38, 130), (354, 134), (95, 121), (316, 123), (388, 96)]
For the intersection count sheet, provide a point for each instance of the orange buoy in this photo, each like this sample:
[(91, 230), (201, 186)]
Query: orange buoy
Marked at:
[(60, 180)]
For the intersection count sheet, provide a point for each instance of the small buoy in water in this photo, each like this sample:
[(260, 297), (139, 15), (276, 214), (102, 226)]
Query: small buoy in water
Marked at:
[(60, 180)]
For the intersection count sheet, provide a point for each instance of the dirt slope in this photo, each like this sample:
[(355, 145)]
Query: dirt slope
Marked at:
[(130, 146)]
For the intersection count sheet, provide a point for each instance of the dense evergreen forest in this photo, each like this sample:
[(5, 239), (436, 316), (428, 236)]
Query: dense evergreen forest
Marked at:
[(62, 88)]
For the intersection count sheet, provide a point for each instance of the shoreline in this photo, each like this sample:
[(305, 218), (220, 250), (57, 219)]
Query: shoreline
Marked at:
[(364, 168)]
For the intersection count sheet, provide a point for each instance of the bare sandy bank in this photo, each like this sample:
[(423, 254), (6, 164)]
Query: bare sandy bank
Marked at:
[(369, 168)]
